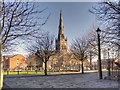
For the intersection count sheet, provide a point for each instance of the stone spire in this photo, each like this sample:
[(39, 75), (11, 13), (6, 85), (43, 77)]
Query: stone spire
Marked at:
[(61, 42), (61, 27)]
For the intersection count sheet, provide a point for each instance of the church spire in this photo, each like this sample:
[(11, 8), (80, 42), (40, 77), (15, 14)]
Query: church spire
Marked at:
[(61, 26), (61, 42)]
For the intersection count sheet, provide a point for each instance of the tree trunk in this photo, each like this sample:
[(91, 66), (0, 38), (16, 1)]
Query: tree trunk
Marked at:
[(45, 70), (82, 68), (79, 68), (7, 72), (59, 68), (90, 61), (1, 66), (18, 71)]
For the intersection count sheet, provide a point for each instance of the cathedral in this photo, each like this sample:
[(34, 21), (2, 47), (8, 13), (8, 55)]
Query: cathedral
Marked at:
[(61, 41), (62, 60)]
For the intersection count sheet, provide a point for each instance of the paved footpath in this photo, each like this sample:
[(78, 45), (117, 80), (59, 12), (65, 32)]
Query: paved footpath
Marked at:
[(88, 80)]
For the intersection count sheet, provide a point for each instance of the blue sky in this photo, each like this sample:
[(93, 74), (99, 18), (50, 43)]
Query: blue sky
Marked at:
[(76, 17)]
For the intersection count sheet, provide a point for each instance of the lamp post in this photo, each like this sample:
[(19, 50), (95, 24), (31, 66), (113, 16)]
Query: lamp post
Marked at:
[(108, 63), (99, 54)]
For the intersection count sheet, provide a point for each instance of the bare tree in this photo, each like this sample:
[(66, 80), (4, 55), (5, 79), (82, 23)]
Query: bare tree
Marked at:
[(93, 44), (44, 49), (79, 50), (21, 21), (108, 13)]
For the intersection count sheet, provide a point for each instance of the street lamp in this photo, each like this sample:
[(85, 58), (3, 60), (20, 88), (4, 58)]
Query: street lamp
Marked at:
[(108, 63), (99, 54)]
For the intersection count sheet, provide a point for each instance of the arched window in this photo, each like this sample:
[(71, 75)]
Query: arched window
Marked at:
[(17, 62)]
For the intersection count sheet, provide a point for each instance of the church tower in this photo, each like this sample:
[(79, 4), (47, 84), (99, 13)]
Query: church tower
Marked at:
[(61, 41)]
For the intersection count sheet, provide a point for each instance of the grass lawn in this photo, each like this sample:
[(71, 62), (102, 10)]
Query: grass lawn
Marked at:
[(30, 72), (33, 72), (23, 72), (42, 73)]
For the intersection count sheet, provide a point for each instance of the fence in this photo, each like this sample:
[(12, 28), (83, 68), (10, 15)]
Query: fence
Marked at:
[(115, 69)]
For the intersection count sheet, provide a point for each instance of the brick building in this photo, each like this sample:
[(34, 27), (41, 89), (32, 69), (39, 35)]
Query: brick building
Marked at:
[(14, 63), (33, 62)]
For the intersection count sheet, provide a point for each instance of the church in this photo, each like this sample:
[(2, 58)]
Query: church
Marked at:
[(62, 60), (61, 41)]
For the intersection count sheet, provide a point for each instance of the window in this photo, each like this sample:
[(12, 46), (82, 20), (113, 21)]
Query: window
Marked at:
[(17, 62)]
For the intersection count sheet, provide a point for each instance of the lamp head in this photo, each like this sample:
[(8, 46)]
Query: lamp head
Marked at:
[(98, 31)]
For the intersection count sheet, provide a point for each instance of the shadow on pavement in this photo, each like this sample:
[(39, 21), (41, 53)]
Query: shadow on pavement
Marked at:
[(5, 87)]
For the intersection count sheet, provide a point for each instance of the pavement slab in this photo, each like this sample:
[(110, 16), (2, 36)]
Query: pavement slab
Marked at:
[(88, 80)]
